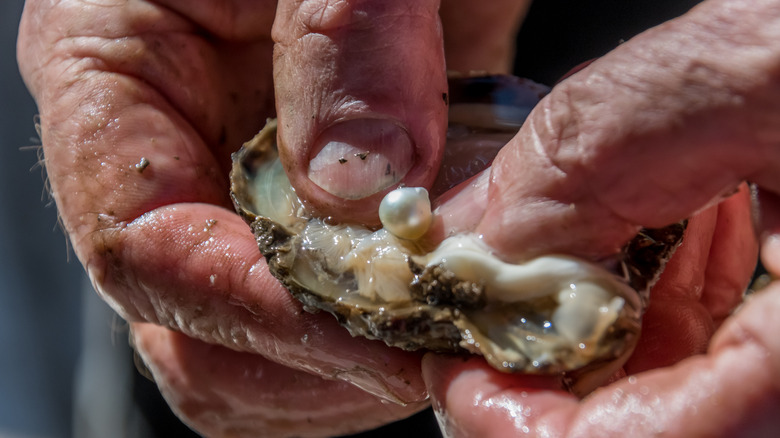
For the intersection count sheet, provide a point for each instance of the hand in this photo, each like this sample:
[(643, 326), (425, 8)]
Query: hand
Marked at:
[(667, 126), (141, 105)]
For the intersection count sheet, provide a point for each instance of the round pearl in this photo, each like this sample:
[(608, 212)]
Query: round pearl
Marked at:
[(406, 212)]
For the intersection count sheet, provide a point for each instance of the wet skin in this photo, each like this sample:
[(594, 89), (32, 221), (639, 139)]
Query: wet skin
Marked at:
[(665, 127)]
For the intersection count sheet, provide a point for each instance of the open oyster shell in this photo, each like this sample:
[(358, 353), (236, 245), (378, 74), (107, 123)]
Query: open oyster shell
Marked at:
[(552, 314)]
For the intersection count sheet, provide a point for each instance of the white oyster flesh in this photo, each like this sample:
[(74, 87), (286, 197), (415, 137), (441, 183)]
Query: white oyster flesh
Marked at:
[(548, 314), (554, 308)]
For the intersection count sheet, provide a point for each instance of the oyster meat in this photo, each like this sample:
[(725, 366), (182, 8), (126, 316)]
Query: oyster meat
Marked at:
[(552, 314)]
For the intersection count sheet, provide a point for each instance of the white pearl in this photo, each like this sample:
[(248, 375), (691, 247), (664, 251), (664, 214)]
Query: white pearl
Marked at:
[(406, 212)]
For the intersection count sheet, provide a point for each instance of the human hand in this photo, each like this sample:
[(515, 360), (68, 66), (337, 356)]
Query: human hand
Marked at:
[(141, 105), (665, 127)]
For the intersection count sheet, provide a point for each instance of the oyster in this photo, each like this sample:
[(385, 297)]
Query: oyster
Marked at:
[(552, 314)]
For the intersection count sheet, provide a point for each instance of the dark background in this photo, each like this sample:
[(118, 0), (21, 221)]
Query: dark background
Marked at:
[(41, 291), (560, 34)]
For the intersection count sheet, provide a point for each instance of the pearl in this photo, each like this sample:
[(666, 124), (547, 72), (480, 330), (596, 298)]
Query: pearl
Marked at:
[(406, 212)]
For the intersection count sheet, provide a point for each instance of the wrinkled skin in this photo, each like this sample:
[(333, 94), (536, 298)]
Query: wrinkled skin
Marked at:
[(664, 127)]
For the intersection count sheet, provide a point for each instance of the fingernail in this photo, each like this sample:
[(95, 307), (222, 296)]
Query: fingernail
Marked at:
[(357, 158)]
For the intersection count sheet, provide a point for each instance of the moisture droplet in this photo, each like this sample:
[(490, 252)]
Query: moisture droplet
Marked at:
[(209, 223), (142, 165)]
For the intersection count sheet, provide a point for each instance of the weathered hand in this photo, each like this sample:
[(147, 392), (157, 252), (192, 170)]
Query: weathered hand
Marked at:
[(665, 127), (141, 105)]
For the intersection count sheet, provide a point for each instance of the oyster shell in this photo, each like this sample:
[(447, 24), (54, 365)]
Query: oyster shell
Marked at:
[(552, 314)]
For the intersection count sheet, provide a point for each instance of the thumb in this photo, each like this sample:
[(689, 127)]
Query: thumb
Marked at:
[(361, 100)]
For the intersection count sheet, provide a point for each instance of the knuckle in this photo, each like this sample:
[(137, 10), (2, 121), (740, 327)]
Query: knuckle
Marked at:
[(320, 16), (326, 16)]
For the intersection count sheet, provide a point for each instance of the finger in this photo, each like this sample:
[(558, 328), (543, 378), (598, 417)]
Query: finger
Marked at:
[(671, 331), (196, 269), (731, 391), (700, 286), (133, 118), (675, 324), (666, 118), (728, 276), (139, 184), (495, 398), (716, 258), (480, 36), (361, 96), (248, 395), (524, 218), (241, 20)]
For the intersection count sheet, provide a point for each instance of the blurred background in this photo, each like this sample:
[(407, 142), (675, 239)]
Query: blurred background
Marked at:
[(39, 289), (65, 369)]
